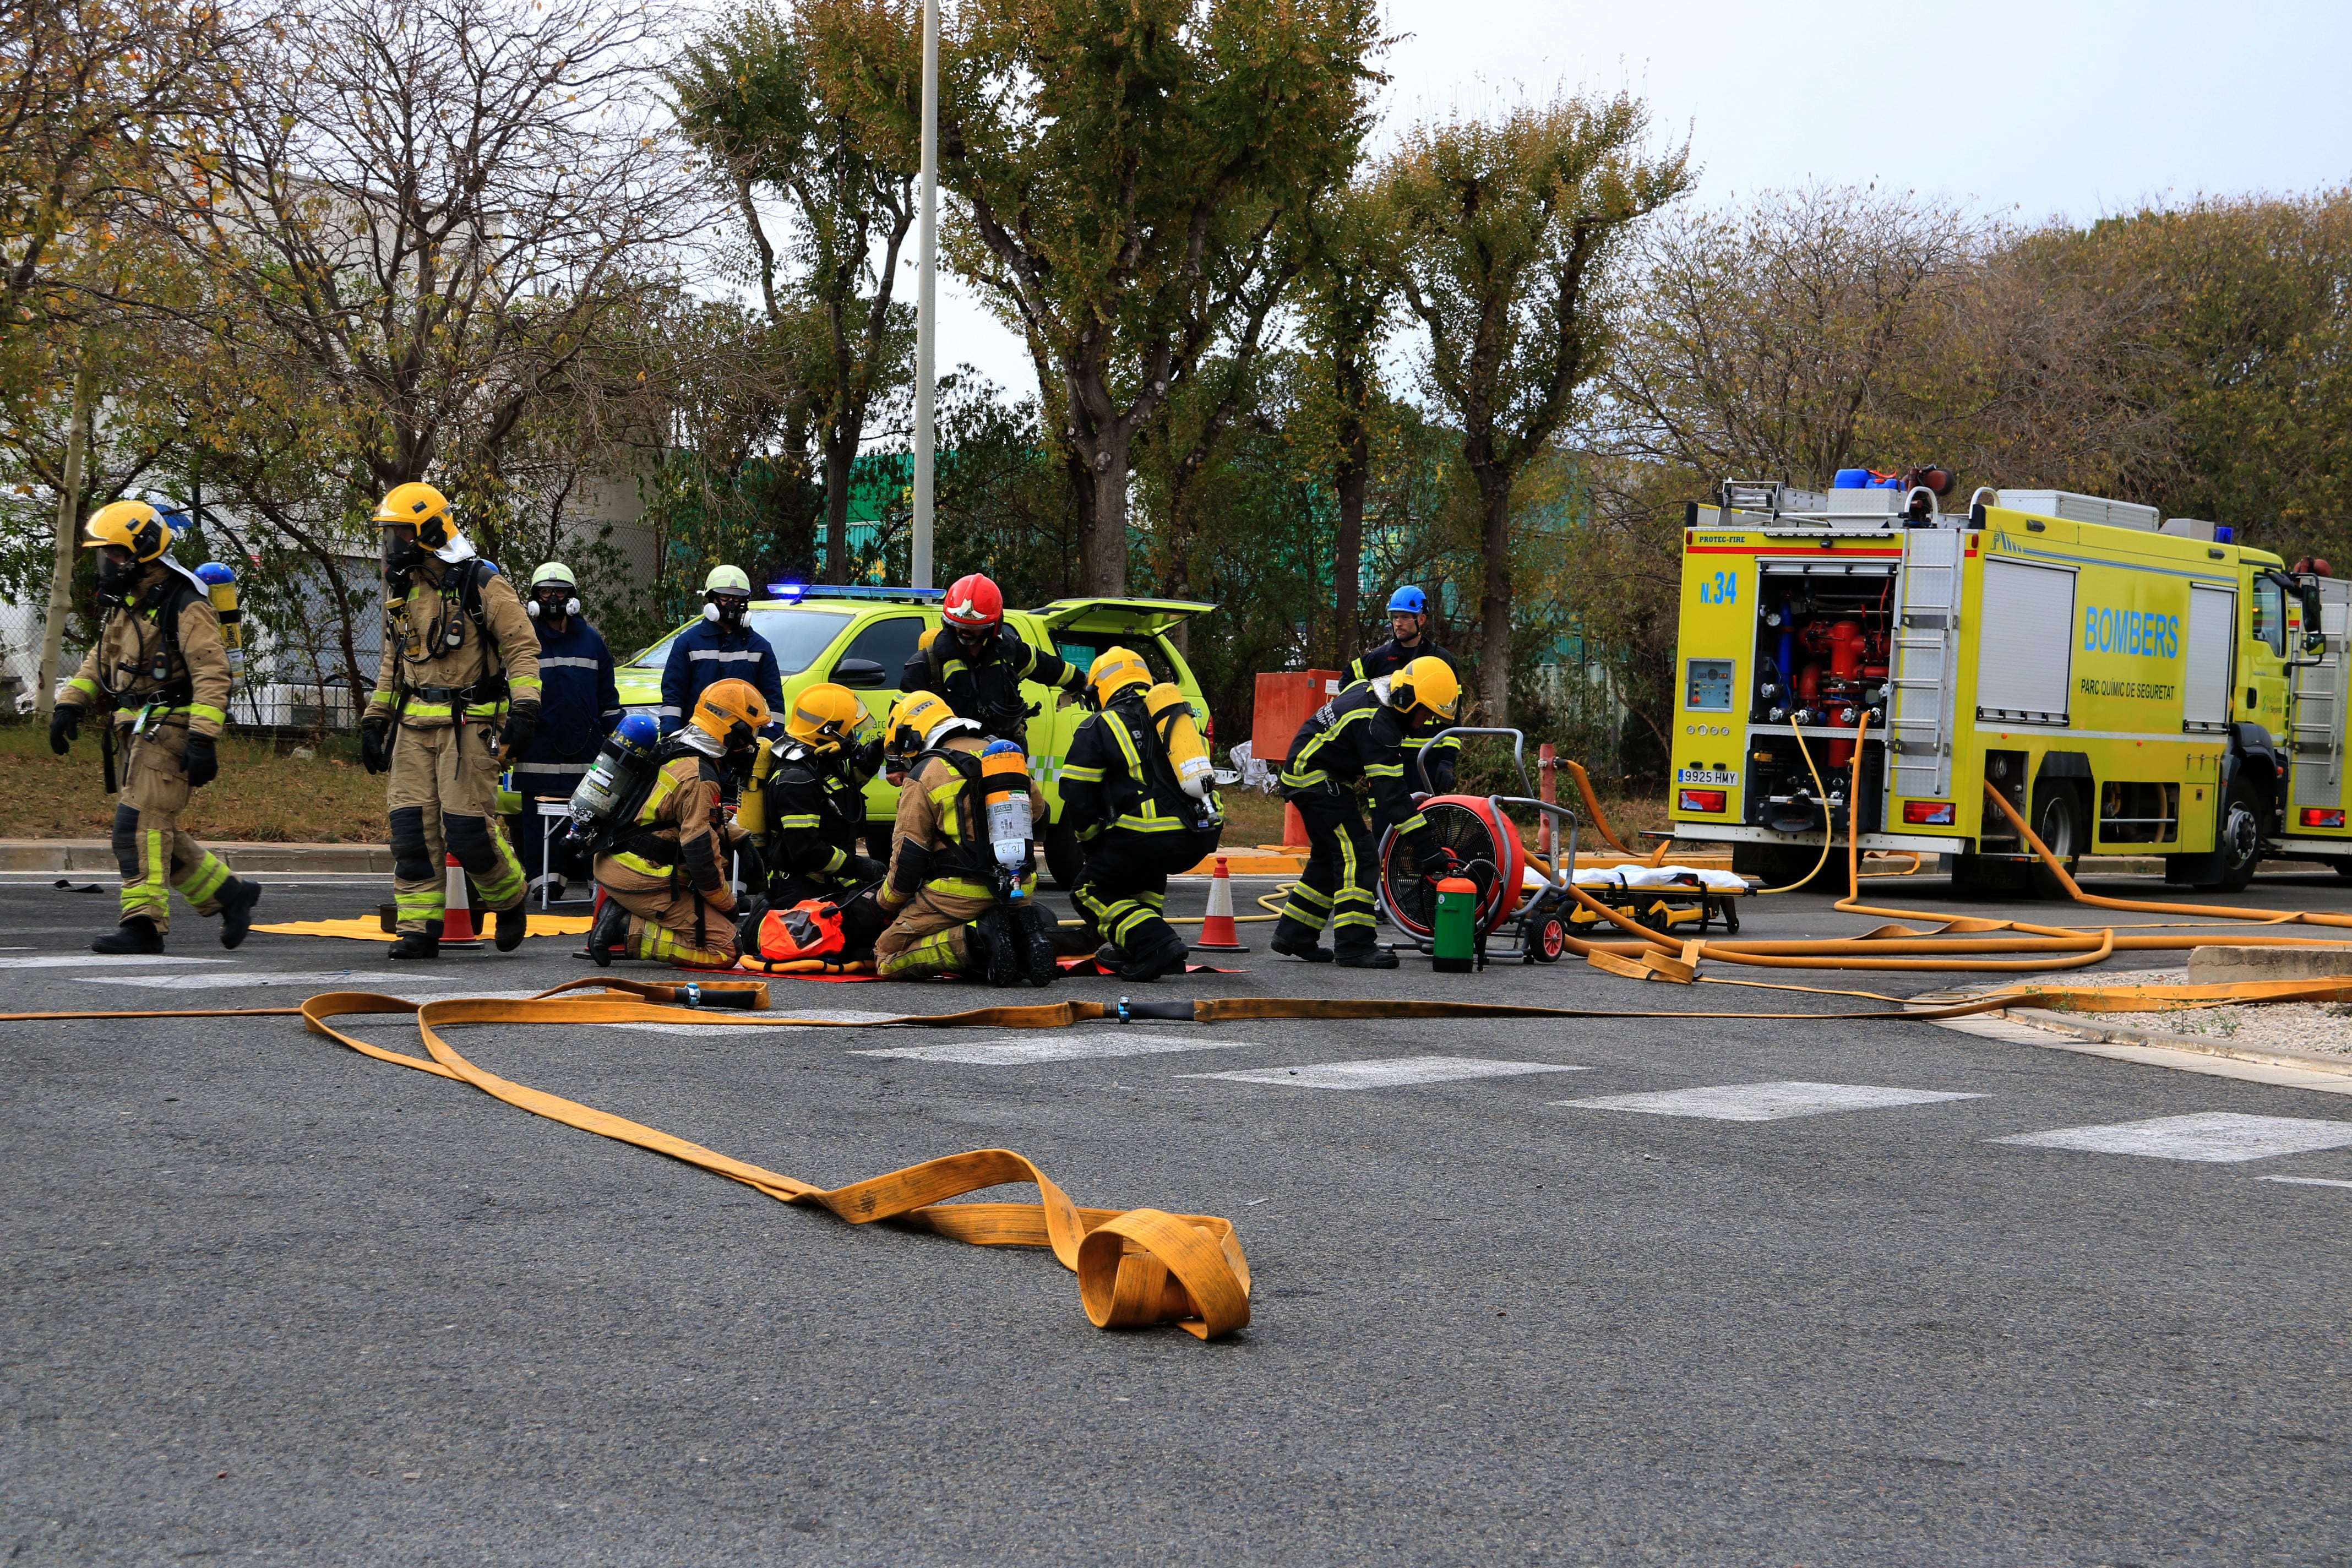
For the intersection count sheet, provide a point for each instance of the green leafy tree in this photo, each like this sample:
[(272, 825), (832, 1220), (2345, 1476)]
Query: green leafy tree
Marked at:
[(1509, 235), (1120, 174), (748, 100)]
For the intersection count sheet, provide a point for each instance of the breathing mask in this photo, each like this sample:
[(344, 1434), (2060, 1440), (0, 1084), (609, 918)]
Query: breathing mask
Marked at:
[(727, 610), (116, 572)]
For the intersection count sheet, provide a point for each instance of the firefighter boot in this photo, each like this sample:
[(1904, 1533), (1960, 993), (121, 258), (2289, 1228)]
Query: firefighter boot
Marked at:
[(1299, 941), (990, 950), (237, 901), (513, 925), (1163, 954), (425, 943), (1368, 956), (1031, 929), (137, 934), (609, 934)]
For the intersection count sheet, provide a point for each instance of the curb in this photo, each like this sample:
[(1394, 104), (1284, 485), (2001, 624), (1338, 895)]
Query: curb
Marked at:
[(2119, 1034), (97, 855)]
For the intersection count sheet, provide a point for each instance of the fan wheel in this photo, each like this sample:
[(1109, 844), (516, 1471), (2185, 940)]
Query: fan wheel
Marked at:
[(1491, 858)]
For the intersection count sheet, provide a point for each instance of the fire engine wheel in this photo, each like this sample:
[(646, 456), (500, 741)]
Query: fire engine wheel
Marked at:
[(2240, 841), (2057, 823), (1462, 827)]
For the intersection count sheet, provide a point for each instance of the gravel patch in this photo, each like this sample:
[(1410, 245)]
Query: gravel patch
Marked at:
[(2312, 1028)]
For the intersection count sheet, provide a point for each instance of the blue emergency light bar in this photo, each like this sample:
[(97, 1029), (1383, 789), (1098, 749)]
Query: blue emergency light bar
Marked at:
[(793, 593)]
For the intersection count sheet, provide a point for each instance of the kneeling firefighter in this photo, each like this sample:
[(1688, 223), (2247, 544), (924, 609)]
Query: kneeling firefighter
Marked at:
[(808, 812), (1360, 737), (961, 878), (1137, 787), (661, 850), (458, 685), (158, 673)]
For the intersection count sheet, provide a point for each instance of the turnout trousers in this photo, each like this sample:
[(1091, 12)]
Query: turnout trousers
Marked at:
[(927, 938), (668, 921), (159, 857), (1335, 889), (1124, 889), (443, 801)]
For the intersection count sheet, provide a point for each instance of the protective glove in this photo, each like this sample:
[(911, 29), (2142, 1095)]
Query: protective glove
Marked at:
[(866, 759), (64, 726), (523, 723), (750, 865), (860, 869), (200, 762), (375, 745)]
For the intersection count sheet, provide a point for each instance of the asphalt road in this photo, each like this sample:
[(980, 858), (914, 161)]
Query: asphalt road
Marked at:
[(268, 1300)]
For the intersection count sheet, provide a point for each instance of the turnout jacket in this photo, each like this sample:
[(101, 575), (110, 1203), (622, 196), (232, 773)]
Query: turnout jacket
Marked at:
[(1357, 738), (987, 689), (1118, 775), (1387, 660), (494, 660), (939, 840), (679, 832), (165, 613), (814, 812), (707, 652), (579, 706)]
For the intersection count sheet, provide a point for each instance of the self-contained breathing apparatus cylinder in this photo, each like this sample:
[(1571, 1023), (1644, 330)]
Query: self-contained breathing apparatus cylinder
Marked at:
[(1004, 791), (751, 811), (1171, 715), (627, 761), (220, 586)]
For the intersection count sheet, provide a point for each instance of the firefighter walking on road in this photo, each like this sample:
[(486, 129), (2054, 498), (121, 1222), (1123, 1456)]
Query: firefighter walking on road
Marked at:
[(1409, 640), (977, 662), (458, 681), (579, 706), (664, 865), (1137, 790), (1360, 737), (947, 886), (159, 675)]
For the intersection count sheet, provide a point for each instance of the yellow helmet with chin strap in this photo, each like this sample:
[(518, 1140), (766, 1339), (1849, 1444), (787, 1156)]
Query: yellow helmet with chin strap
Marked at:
[(1427, 683), (825, 718), (915, 720), (732, 712), (420, 504), (133, 525)]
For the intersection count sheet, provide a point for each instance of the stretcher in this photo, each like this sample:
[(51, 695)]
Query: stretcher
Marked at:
[(1663, 897)]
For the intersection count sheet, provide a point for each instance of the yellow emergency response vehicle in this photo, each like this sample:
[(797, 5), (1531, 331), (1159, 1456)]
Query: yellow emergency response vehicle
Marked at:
[(2134, 686)]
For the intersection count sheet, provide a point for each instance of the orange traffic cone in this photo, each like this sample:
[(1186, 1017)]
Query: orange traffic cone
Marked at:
[(458, 910), (1217, 932)]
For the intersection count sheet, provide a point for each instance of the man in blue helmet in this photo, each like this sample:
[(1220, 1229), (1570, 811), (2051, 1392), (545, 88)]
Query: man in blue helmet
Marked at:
[(720, 646), (1409, 640), (578, 707)]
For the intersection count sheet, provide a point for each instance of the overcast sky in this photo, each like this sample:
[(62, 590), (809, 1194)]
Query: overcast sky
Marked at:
[(2031, 109)]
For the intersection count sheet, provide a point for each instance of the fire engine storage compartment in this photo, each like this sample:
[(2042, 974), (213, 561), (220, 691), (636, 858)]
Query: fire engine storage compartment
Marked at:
[(1824, 629)]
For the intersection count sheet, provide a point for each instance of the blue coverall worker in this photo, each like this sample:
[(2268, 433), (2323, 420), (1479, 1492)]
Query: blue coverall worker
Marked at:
[(720, 646)]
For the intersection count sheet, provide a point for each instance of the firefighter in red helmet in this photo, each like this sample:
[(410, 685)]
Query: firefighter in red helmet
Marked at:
[(978, 663)]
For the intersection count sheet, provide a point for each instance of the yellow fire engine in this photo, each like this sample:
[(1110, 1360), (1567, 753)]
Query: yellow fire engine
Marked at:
[(2134, 685)]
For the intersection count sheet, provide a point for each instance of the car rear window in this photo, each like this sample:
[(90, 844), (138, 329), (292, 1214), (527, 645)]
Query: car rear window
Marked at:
[(1082, 649), (797, 636)]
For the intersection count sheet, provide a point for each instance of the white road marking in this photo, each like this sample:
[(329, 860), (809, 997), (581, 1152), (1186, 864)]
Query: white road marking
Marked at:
[(1764, 1101), (1055, 1049), (371, 981), (833, 1015), (2216, 1136), (118, 959), (2305, 1181), (1390, 1073)]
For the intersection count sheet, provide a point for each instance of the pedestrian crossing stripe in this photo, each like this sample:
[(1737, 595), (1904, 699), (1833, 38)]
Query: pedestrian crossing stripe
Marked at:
[(1773, 1101), (1390, 1073), (1050, 1048), (2214, 1137)]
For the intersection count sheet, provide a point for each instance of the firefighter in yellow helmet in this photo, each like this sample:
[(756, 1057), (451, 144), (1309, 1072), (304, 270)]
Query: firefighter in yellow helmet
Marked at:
[(1360, 739), (457, 691), (663, 867), (1138, 790), (956, 906), (159, 675), (814, 798)]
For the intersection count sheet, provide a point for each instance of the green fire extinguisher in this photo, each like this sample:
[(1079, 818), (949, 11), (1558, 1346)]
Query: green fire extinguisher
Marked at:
[(1454, 932)]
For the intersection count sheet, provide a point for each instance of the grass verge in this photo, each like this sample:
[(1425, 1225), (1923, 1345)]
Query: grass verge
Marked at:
[(264, 794)]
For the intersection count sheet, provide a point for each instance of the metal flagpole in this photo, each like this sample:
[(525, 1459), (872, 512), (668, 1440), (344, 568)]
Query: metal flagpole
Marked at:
[(926, 298)]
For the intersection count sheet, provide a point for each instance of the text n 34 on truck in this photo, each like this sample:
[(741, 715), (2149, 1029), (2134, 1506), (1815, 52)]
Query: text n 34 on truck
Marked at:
[(2134, 685)]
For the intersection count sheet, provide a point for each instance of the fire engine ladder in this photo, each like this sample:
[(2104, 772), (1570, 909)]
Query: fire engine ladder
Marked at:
[(1922, 674), (2317, 731)]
